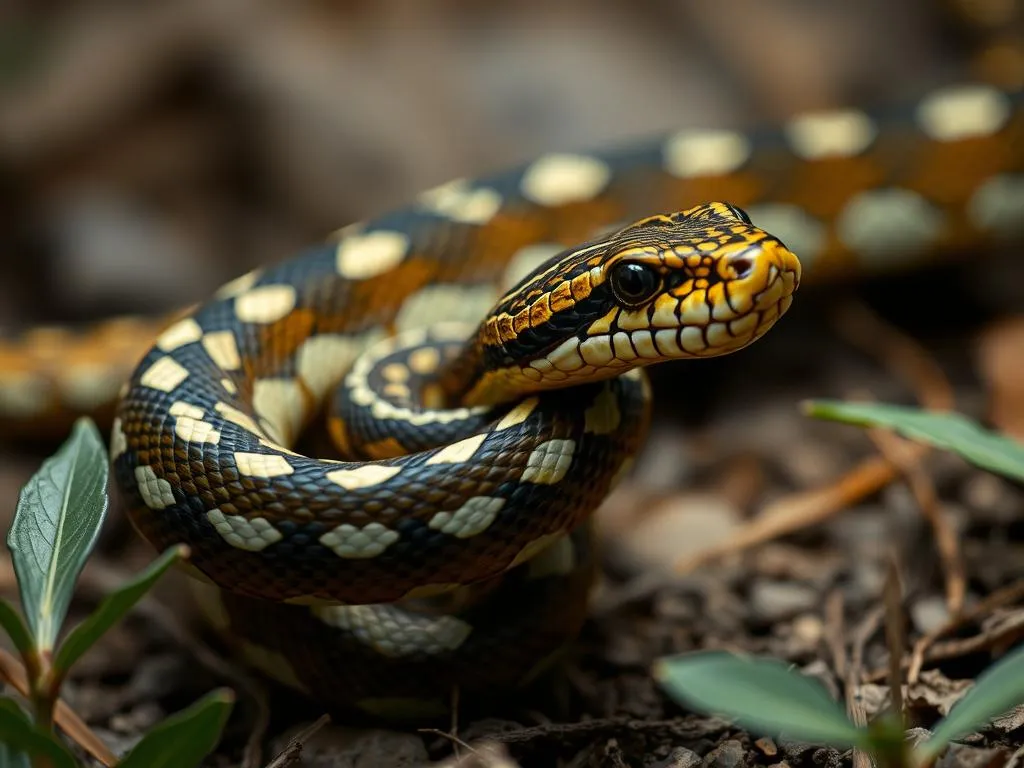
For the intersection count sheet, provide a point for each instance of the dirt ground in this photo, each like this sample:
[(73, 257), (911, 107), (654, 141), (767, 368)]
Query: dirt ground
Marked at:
[(153, 151)]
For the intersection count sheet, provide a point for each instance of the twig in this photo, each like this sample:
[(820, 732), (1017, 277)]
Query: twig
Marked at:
[(293, 749), (800, 510), (13, 672), (1003, 596), (894, 635), (907, 457)]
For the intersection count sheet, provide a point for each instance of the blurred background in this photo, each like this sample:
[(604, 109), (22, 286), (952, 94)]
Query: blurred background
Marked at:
[(152, 150), (149, 151)]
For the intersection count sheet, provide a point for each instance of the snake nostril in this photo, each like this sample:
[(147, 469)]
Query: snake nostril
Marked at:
[(742, 265)]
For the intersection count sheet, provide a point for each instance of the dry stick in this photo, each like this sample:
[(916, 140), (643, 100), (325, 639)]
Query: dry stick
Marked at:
[(293, 749), (835, 633), (906, 455), (952, 649), (800, 510), (1002, 596), (102, 577), (894, 635), (13, 672)]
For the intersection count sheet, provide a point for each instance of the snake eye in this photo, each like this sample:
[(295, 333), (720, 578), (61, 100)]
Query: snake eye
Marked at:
[(633, 283), (739, 213)]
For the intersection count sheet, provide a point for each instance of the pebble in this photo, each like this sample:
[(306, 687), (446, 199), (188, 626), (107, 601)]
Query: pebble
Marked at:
[(728, 754), (773, 601)]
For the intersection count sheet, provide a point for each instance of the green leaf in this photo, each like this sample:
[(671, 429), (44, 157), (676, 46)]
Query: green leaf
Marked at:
[(998, 689), (113, 607), (761, 695), (59, 515), (15, 627), (950, 431), (185, 738), (17, 732)]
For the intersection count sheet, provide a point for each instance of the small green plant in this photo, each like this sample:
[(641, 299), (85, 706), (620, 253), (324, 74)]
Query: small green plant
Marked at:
[(768, 697), (58, 519)]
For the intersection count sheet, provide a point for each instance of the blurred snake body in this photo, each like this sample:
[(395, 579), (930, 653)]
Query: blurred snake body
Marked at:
[(479, 357)]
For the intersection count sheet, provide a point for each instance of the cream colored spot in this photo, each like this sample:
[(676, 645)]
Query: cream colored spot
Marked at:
[(222, 347), (355, 543), (238, 285), (526, 261), (474, 516), (164, 375), (155, 491), (424, 361), (229, 386), (22, 394), (517, 415), (394, 632), (549, 462), (701, 152), (603, 417), (238, 418), (446, 303), (459, 452), (195, 431), (564, 357), (323, 360), (998, 205), (800, 231), (181, 408), (262, 464), (889, 227), (360, 257), (843, 133), (265, 304), (118, 439), (396, 373), (963, 112), (88, 386), (597, 350), (281, 404), (362, 477), (459, 202), (178, 335), (251, 534), (559, 179)]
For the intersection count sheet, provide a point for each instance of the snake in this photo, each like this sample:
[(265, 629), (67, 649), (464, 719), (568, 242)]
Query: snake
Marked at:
[(384, 452)]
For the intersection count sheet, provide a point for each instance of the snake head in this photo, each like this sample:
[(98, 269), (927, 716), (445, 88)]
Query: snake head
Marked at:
[(696, 283)]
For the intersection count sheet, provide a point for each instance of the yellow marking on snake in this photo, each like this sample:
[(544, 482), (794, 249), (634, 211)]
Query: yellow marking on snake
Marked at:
[(842, 133), (222, 347), (549, 462), (460, 203), (282, 406), (474, 516), (517, 415), (354, 542), (155, 491), (239, 285), (459, 452), (360, 257), (262, 464), (164, 375), (700, 152), (558, 179), (251, 534), (362, 477), (181, 333), (265, 304)]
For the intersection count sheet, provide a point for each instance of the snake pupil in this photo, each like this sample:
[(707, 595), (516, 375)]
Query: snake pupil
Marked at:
[(634, 283)]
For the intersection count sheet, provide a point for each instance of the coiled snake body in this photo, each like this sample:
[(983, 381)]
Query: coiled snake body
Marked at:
[(480, 356)]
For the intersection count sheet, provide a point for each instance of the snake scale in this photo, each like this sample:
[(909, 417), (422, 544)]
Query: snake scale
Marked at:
[(479, 357)]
